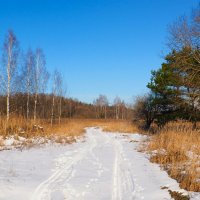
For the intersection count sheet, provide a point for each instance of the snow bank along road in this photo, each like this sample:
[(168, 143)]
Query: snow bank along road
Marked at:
[(102, 166)]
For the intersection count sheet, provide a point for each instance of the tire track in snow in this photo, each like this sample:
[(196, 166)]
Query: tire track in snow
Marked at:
[(43, 191), (72, 193), (116, 184), (64, 170), (124, 187)]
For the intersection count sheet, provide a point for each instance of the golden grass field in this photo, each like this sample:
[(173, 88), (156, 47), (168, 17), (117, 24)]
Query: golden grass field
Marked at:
[(177, 149), (67, 127)]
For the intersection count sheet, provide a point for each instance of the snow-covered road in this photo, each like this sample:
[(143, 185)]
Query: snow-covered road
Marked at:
[(104, 166)]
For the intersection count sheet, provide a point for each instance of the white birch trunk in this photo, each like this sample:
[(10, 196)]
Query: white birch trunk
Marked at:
[(8, 80)]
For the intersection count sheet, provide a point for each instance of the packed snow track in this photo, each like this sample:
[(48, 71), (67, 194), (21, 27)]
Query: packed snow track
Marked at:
[(102, 166)]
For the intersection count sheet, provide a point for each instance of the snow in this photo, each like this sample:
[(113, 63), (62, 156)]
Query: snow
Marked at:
[(12, 141), (100, 166), (9, 141)]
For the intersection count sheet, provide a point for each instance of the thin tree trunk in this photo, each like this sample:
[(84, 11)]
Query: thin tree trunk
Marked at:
[(70, 110), (35, 107), (122, 110), (44, 103), (27, 106), (96, 109), (8, 102), (60, 110), (8, 83), (52, 111)]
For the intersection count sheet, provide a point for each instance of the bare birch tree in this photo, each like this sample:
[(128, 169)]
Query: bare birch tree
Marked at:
[(43, 84), (60, 95), (55, 80), (10, 55), (38, 77), (101, 104), (117, 104), (28, 76)]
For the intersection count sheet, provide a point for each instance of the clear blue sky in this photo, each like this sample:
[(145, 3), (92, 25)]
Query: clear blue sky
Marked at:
[(100, 46)]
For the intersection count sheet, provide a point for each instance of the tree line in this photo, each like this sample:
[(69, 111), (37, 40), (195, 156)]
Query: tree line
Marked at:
[(175, 86), (27, 89)]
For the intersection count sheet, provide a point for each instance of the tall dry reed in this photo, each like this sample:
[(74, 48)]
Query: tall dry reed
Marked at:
[(177, 149)]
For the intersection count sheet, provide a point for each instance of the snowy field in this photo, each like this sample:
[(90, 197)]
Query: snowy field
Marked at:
[(100, 166)]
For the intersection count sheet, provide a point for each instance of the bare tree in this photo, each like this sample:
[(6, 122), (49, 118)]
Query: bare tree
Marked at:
[(57, 80), (96, 107), (10, 55), (38, 76), (144, 109), (53, 97), (120, 108), (43, 84), (101, 104), (60, 95), (123, 110), (180, 34), (184, 34), (117, 104), (28, 76)]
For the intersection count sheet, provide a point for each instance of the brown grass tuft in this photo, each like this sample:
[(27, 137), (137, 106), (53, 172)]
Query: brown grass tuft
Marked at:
[(178, 195)]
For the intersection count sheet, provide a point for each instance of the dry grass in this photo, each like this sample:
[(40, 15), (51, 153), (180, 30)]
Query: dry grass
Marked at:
[(16, 125), (177, 149), (119, 126), (178, 195), (68, 127), (77, 126), (65, 132)]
